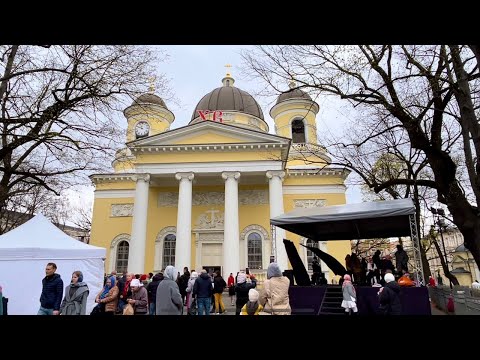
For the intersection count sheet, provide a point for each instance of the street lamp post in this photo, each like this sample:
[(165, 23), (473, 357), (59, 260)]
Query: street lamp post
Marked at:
[(439, 221)]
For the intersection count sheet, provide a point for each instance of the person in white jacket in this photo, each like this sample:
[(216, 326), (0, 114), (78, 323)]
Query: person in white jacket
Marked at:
[(349, 302), (191, 282)]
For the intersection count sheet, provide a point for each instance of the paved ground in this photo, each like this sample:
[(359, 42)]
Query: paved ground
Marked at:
[(228, 307), (436, 311), (231, 309)]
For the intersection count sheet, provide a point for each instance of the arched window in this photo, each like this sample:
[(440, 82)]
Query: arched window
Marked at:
[(121, 263), (254, 241), (254, 250), (310, 254), (169, 250), (298, 131)]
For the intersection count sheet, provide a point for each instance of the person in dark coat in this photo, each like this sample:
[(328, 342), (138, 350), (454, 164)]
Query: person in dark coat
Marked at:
[(389, 297), (202, 291), (219, 285), (377, 261), (321, 279), (52, 292), (183, 283), (401, 260), (387, 264), (241, 290), (152, 292), (316, 271)]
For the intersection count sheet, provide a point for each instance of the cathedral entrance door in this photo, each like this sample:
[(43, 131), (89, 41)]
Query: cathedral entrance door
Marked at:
[(212, 269), (212, 256)]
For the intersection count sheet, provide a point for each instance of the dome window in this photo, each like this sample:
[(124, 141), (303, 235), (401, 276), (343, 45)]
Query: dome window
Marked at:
[(298, 132)]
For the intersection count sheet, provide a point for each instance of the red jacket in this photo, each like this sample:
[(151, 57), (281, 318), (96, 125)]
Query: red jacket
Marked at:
[(231, 281)]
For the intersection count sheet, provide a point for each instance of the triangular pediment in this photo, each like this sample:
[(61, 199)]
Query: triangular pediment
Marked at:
[(209, 132)]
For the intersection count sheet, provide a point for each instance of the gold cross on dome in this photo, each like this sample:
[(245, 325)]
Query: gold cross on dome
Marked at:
[(228, 66)]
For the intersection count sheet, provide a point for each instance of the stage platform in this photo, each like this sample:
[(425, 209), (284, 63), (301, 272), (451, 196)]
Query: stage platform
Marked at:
[(306, 300)]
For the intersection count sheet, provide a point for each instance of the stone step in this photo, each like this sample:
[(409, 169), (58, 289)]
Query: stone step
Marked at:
[(332, 303), (329, 313)]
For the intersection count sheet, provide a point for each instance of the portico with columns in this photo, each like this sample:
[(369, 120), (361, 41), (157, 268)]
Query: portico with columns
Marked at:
[(202, 195)]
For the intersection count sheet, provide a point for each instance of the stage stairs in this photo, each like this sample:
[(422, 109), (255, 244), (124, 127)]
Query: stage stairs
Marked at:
[(332, 301)]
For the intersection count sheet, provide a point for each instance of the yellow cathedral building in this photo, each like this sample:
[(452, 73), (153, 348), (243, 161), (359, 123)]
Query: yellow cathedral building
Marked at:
[(202, 195)]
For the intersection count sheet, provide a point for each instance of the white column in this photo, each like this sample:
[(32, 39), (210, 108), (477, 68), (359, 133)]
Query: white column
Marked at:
[(183, 245), (136, 254), (275, 192), (231, 237)]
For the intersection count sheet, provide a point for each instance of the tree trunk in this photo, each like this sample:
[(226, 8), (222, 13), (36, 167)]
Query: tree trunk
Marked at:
[(476, 50), (446, 271)]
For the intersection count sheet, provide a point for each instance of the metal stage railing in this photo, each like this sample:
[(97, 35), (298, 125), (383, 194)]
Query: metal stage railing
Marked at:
[(417, 257)]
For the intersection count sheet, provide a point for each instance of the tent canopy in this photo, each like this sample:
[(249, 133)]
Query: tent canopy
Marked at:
[(351, 221), (38, 238), (24, 252)]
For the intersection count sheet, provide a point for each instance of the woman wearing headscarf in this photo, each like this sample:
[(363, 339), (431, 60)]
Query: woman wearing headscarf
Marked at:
[(169, 300), (139, 298), (108, 297), (274, 296), (349, 295), (75, 299), (189, 290)]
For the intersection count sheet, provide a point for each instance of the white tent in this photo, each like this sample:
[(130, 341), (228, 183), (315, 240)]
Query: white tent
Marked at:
[(26, 250)]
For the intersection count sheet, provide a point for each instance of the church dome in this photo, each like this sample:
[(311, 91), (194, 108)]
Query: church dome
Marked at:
[(229, 98), (294, 93), (149, 99)]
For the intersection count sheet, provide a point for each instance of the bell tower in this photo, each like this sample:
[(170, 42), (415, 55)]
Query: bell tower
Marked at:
[(294, 115), (148, 115)]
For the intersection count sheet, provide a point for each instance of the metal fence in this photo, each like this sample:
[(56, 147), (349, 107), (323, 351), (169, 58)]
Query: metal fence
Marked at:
[(466, 301)]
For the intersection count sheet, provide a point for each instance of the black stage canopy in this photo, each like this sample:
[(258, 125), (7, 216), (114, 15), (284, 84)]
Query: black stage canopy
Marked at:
[(378, 219)]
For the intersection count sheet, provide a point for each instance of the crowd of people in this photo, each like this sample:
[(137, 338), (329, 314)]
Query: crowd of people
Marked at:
[(377, 272), (166, 293), (171, 293), (371, 271)]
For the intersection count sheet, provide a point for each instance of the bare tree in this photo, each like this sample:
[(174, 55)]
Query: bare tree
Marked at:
[(424, 97), (58, 107), (366, 247), (433, 239)]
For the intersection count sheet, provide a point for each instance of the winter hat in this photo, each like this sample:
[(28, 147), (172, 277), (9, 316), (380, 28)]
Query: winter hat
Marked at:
[(143, 277), (389, 277), (135, 282), (253, 295), (241, 278), (193, 275), (273, 270)]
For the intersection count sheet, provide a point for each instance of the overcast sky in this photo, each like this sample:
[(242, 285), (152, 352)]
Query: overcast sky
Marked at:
[(195, 70)]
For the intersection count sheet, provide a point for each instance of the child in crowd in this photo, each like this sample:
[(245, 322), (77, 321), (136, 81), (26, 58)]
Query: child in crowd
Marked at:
[(252, 307)]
